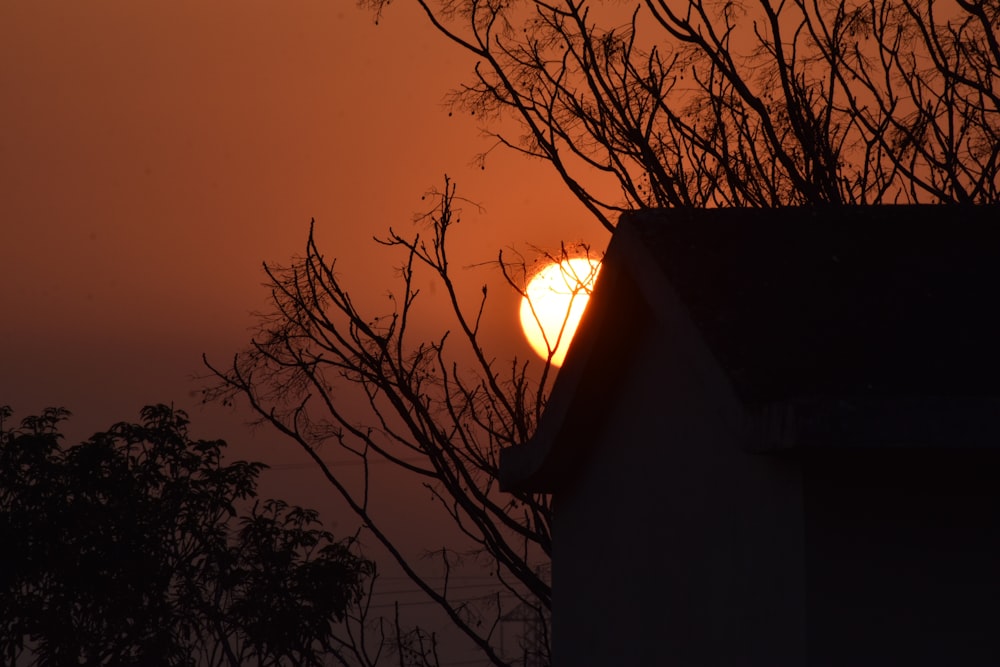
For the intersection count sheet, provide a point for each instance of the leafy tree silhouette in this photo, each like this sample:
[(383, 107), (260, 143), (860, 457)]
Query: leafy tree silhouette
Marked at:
[(129, 548)]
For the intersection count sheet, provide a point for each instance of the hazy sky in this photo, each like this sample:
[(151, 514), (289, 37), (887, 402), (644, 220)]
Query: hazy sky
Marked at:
[(153, 154)]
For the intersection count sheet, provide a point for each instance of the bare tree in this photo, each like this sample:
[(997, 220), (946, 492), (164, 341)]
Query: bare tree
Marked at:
[(756, 103), (660, 103), (423, 412)]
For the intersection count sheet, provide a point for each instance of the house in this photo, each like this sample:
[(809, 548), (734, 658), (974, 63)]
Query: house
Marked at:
[(775, 441)]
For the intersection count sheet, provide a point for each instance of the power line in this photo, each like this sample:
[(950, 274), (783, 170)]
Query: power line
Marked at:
[(338, 463), (506, 595), (451, 577), (496, 585)]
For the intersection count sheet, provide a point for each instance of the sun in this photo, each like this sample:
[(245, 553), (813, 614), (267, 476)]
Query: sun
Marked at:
[(553, 303)]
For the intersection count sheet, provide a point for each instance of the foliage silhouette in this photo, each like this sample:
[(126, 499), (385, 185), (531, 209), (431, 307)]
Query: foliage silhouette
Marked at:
[(129, 548)]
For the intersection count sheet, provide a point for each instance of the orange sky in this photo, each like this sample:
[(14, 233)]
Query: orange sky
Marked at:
[(153, 154)]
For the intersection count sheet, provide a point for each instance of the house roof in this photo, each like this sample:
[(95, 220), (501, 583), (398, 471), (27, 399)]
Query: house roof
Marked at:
[(891, 308)]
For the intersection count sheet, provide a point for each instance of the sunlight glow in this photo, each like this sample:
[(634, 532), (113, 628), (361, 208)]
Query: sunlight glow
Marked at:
[(554, 301)]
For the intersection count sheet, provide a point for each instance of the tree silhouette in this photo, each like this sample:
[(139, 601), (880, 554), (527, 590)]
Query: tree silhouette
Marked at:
[(130, 548), (722, 103), (328, 374), (701, 103)]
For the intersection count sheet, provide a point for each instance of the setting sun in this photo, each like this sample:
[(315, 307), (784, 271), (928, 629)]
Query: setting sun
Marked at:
[(554, 301)]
